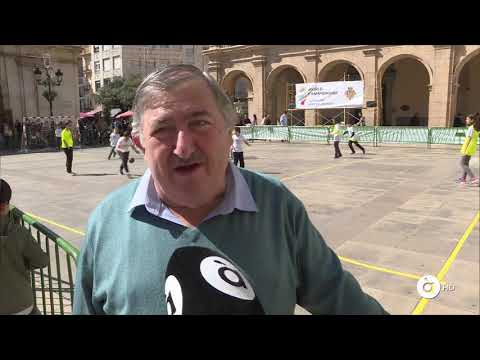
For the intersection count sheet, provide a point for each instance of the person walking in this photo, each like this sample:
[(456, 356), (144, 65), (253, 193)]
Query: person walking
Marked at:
[(283, 119), (237, 148), (254, 120), (267, 120), (352, 138), (18, 134), (114, 136), (469, 148), (8, 134), (67, 146), (336, 138), (122, 148), (58, 136)]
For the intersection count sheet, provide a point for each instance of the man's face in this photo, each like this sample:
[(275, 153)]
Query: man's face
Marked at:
[(186, 145)]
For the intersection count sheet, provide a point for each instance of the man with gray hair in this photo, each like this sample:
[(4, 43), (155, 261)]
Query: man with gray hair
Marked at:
[(191, 197)]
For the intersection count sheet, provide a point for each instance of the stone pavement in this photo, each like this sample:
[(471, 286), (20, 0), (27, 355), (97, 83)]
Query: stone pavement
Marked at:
[(396, 208)]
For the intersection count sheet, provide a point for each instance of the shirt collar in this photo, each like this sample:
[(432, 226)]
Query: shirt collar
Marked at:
[(237, 196)]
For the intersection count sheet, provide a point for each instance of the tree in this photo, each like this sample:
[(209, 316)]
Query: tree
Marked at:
[(120, 93)]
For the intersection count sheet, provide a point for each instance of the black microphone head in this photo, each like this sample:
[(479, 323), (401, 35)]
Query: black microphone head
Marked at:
[(201, 281)]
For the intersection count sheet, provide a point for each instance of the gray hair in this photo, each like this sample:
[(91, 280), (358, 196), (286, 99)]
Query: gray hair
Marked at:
[(168, 78)]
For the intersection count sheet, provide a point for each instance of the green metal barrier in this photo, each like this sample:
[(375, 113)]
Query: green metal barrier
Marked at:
[(265, 132), (450, 136), (52, 287), (366, 134), (309, 133), (402, 135)]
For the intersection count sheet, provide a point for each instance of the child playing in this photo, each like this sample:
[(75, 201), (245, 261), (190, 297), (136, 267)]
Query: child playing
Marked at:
[(122, 148), (468, 149), (336, 139), (352, 138), (114, 136), (237, 147)]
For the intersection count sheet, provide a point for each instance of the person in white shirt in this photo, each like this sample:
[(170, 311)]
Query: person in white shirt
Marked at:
[(122, 149), (352, 138), (237, 147), (114, 136), (284, 119), (58, 136)]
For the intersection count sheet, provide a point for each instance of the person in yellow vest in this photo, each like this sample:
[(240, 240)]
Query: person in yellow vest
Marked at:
[(67, 145), (469, 148), (337, 134)]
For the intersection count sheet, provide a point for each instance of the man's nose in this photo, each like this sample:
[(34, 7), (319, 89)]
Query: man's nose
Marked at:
[(184, 146)]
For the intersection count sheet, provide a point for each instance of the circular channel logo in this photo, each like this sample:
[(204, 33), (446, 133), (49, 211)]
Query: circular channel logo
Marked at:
[(428, 286)]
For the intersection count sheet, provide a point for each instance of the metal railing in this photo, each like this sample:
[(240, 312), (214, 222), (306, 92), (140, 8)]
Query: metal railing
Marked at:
[(52, 287)]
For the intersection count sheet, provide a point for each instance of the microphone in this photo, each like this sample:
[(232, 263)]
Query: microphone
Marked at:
[(201, 281)]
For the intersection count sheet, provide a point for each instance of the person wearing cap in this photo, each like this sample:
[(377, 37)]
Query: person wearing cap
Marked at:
[(19, 255), (192, 196), (67, 145)]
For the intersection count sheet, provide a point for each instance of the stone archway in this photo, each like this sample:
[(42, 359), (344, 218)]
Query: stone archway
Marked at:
[(281, 94), (467, 81), (338, 70), (404, 94), (239, 87)]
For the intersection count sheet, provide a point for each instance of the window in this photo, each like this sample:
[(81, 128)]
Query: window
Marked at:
[(107, 47), (97, 85), (117, 64), (96, 48), (241, 88), (163, 46), (107, 64), (106, 82), (97, 65)]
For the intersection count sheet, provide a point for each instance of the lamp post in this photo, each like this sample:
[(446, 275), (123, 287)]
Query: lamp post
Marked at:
[(50, 81)]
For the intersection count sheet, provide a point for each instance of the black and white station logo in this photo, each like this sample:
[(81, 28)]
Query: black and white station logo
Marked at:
[(174, 297), (225, 277)]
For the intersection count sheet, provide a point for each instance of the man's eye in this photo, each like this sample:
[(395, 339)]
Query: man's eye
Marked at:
[(200, 123), (163, 130)]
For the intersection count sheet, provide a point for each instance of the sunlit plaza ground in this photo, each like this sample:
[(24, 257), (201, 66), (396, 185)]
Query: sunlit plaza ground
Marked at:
[(392, 215)]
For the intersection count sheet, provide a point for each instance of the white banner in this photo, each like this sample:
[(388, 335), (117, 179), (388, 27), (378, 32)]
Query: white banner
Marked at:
[(329, 95)]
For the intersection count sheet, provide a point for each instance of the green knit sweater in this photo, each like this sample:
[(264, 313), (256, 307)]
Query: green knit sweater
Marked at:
[(19, 254), (121, 267)]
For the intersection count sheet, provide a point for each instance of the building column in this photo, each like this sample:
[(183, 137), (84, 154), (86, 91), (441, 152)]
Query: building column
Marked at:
[(440, 94), (387, 85), (371, 87), (214, 69), (311, 72), (259, 87)]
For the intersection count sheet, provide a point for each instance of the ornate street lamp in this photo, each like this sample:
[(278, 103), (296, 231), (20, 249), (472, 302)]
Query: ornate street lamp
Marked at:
[(50, 81)]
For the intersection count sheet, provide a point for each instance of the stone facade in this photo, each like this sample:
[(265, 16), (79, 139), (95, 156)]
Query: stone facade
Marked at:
[(431, 82), (20, 95)]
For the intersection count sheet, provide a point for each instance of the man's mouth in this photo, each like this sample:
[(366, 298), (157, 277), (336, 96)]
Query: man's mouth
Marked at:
[(187, 169)]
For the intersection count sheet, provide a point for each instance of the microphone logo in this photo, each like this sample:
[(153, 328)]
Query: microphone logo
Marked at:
[(225, 277)]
